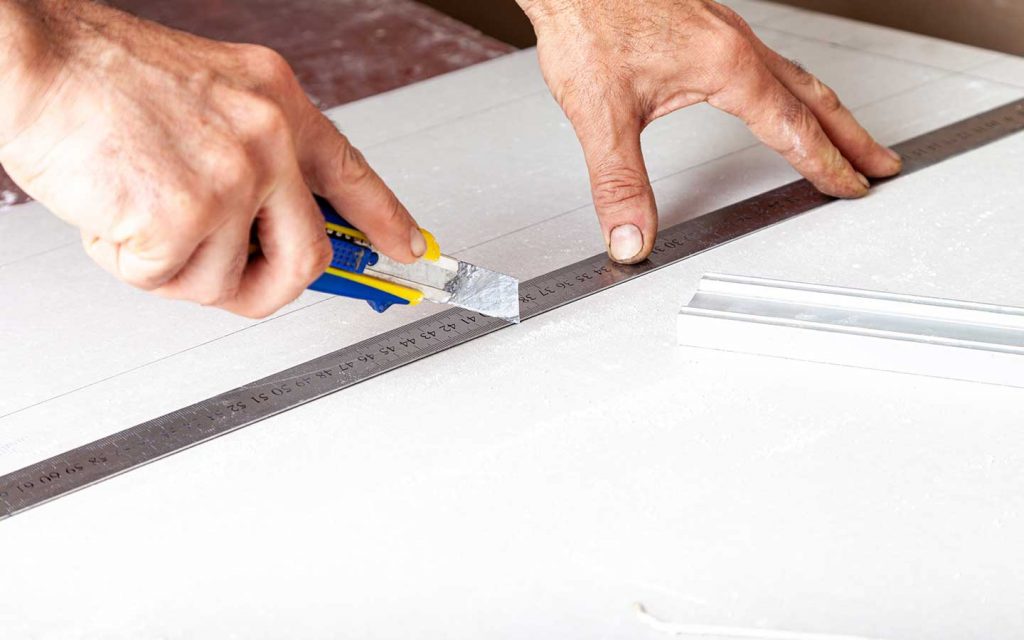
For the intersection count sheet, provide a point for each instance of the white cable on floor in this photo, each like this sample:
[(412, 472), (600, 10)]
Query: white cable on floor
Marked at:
[(710, 631)]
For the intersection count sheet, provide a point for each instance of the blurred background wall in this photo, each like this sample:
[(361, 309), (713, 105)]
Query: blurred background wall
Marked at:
[(995, 24)]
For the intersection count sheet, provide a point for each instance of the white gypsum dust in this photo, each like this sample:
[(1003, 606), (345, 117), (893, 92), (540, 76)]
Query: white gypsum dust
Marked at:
[(711, 631)]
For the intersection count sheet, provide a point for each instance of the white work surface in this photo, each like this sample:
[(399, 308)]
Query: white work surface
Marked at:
[(538, 482)]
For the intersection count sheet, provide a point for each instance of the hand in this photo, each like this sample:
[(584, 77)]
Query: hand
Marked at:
[(616, 65), (166, 150)]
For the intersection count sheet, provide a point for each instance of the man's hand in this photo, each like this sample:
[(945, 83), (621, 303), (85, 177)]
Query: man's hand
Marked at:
[(617, 65), (166, 150)]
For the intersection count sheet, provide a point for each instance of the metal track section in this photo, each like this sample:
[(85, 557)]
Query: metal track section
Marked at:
[(147, 442), (920, 335)]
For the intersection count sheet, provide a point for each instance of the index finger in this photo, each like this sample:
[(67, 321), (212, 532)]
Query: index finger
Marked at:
[(338, 171)]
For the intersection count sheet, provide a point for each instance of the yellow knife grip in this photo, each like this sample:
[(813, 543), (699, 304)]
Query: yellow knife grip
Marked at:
[(433, 249), (413, 296), (433, 252)]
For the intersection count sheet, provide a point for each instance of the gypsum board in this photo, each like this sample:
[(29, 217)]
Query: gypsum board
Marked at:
[(193, 425)]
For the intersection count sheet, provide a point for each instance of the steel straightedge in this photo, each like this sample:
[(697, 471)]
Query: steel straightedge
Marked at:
[(203, 421)]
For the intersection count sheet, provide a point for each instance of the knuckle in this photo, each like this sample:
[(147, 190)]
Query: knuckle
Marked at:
[(191, 217), (263, 120), (161, 229), (216, 296), (352, 165), (793, 116), (202, 80), (828, 162), (221, 291), (726, 15), (801, 76), (827, 98), (816, 164), (269, 65), (147, 276), (394, 214), (730, 42), (733, 49), (804, 137), (231, 169), (149, 244), (310, 264), (206, 297), (138, 225), (619, 184)]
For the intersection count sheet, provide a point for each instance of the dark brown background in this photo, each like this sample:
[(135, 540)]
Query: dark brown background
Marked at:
[(995, 24)]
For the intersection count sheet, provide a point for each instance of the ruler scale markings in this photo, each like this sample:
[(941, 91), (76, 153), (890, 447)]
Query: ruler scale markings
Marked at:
[(333, 372)]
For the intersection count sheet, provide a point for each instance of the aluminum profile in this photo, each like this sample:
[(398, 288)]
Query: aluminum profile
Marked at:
[(853, 327)]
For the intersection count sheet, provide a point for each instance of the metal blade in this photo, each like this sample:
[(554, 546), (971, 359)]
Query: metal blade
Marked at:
[(489, 292), (451, 281)]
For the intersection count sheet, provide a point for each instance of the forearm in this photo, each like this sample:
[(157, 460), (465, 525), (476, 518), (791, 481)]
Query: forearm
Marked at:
[(28, 63)]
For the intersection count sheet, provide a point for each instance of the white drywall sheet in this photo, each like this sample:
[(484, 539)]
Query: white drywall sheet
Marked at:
[(581, 461)]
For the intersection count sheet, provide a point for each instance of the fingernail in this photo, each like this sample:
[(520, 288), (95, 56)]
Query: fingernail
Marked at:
[(417, 243), (864, 180), (895, 156), (625, 242)]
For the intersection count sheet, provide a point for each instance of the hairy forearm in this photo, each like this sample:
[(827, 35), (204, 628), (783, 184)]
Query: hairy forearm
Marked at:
[(29, 61)]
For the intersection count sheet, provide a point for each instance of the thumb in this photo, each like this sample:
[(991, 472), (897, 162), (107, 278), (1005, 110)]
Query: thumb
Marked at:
[(621, 188)]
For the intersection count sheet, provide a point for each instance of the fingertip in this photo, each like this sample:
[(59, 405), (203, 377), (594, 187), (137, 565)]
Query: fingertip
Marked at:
[(848, 185), (378, 213), (626, 244), (405, 251), (628, 215), (417, 242), (853, 191), (407, 247), (880, 162), (894, 164)]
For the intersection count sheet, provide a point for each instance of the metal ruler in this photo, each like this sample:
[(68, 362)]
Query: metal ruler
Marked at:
[(203, 421)]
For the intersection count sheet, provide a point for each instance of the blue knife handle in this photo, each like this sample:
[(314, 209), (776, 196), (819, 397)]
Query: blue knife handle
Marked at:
[(352, 258)]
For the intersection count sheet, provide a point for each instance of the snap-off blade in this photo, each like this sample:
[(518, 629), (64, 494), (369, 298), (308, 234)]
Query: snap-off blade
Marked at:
[(451, 281), (489, 292)]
